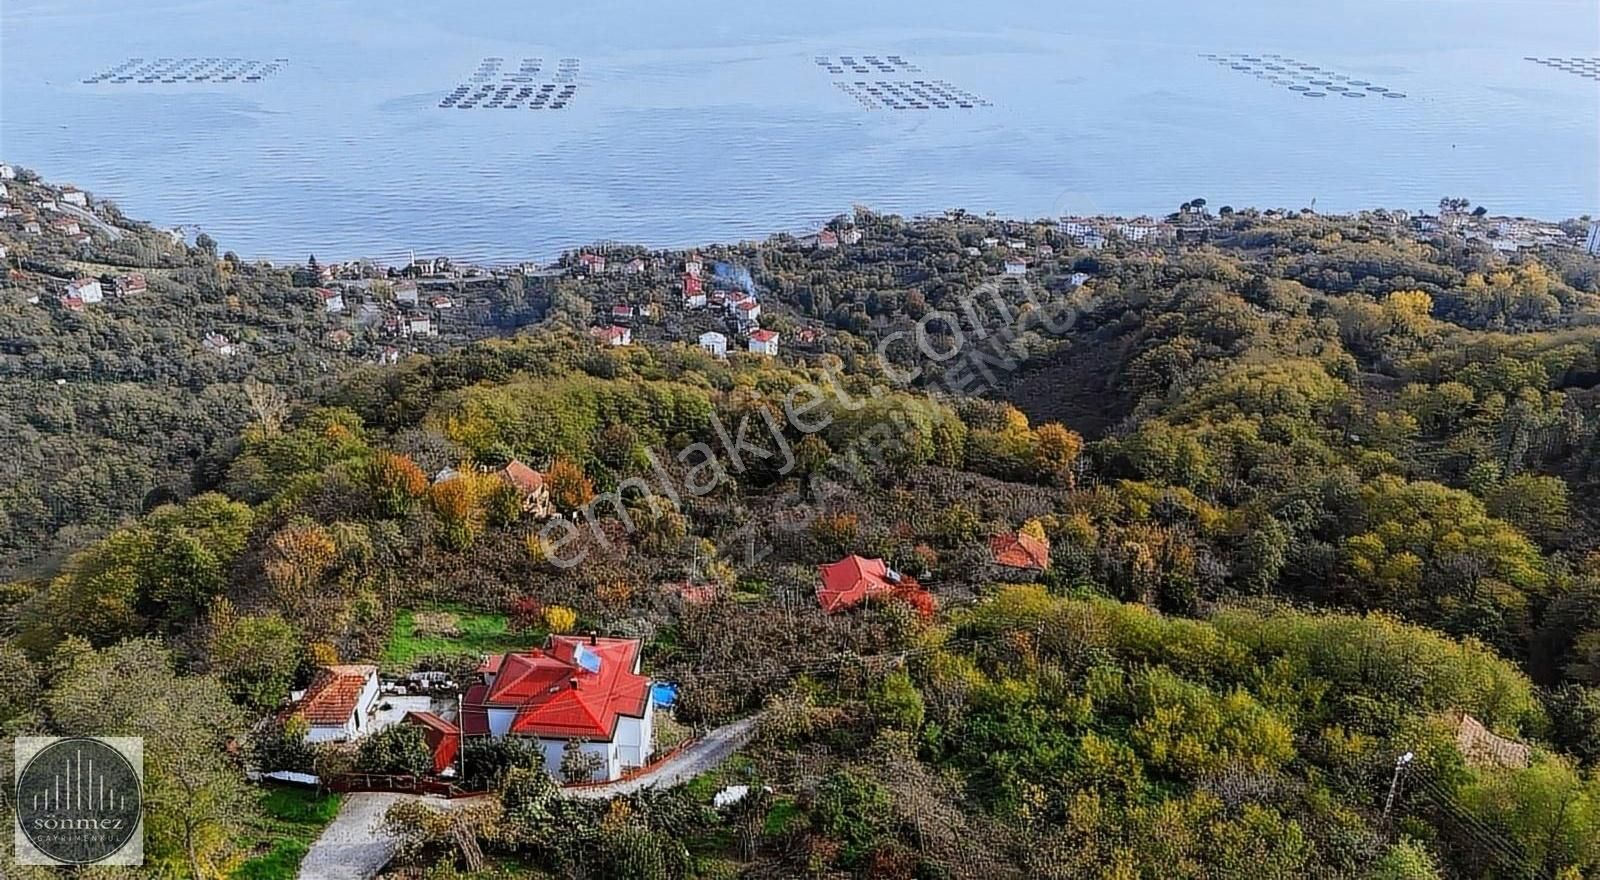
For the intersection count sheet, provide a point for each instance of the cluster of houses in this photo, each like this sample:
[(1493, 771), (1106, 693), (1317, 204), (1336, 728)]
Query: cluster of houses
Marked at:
[(81, 292), (734, 298), (1095, 232)]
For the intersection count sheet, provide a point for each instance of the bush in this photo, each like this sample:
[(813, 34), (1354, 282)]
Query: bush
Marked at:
[(399, 749)]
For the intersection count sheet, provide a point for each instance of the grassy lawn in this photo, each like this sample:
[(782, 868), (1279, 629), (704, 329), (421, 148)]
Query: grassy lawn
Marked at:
[(291, 819), (478, 632)]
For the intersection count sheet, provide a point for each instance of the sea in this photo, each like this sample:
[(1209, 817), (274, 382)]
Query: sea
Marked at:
[(689, 122)]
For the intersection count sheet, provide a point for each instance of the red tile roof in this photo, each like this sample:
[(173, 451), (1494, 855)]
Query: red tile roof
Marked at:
[(1017, 550), (764, 335), (691, 284), (523, 477), (557, 696), (334, 694), (442, 737), (854, 579)]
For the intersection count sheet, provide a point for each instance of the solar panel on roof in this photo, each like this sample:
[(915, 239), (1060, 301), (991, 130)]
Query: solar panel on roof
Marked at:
[(587, 660)]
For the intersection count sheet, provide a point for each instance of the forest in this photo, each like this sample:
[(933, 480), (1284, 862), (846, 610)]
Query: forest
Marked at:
[(1319, 494)]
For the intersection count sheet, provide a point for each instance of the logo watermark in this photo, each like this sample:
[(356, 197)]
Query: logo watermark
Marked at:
[(79, 800)]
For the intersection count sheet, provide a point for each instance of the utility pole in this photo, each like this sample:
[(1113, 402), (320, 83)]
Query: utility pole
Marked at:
[(1400, 764), (461, 738)]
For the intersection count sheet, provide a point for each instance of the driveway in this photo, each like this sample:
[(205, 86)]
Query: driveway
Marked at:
[(354, 847), (695, 759)]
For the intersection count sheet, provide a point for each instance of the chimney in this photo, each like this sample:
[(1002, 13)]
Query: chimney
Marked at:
[(573, 682), (594, 638)]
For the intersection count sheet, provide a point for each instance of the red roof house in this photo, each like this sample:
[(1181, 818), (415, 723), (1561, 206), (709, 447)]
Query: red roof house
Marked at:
[(336, 704), (1019, 550), (580, 688), (855, 579), (530, 484), (442, 737)]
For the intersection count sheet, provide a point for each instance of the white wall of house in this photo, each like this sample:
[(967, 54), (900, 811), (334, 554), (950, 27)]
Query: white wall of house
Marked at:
[(610, 767), (634, 737)]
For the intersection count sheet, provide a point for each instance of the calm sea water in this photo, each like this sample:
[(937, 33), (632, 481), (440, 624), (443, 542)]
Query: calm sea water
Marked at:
[(711, 120)]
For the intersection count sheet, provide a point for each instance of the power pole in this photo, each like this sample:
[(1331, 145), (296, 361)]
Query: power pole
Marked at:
[(461, 737), (1400, 764)]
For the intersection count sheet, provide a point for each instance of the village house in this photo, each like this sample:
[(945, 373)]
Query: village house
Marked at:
[(854, 580), (613, 336), (7, 173), (67, 227), (340, 338), (332, 300), (75, 197), (1016, 266), (1018, 552), (31, 227), (337, 704), (694, 296), (850, 236), (971, 251), (576, 689), (529, 484), (48, 205), (991, 241), (764, 342), (442, 737), (441, 303), (405, 293), (621, 314), (692, 266), (715, 343), (827, 240), (72, 303), (131, 283), (2, 251), (4, 193), (1094, 241), (1078, 279), (218, 344), (634, 266), (1592, 243), (592, 263), (86, 289), (325, 274), (747, 311), (389, 356), (421, 325), (1077, 229), (1045, 250)]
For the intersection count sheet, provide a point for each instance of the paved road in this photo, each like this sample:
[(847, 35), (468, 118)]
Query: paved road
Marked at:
[(112, 231), (353, 846), (708, 752)]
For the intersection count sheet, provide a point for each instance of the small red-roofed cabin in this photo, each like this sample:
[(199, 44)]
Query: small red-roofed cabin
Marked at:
[(580, 688), (855, 579), (1016, 550), (529, 483), (337, 704), (442, 737)]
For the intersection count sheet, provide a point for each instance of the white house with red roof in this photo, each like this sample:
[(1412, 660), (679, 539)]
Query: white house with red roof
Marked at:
[(613, 335), (747, 310), (332, 300), (581, 688), (764, 342), (694, 295), (827, 240), (337, 705), (131, 283), (1016, 266), (592, 263), (86, 289)]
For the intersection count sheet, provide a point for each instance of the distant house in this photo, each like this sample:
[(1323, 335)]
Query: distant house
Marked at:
[(850, 236), (692, 266), (1094, 241), (67, 227), (855, 579), (694, 296), (1045, 250), (325, 274), (418, 325), (7, 173), (86, 289), (332, 300), (764, 342), (3, 191), (1016, 266), (389, 356), (405, 293), (582, 690), (75, 197), (827, 240), (747, 312), (530, 484), (991, 241), (218, 344), (807, 335), (1592, 243), (613, 336), (2, 251), (634, 266), (131, 283), (337, 704), (442, 737), (441, 303), (1017, 244), (340, 338), (31, 227), (1019, 551), (715, 343), (1078, 279), (621, 314), (592, 263), (72, 303)]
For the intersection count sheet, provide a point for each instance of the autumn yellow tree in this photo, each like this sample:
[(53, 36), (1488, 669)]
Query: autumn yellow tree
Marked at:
[(396, 483), (570, 489)]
